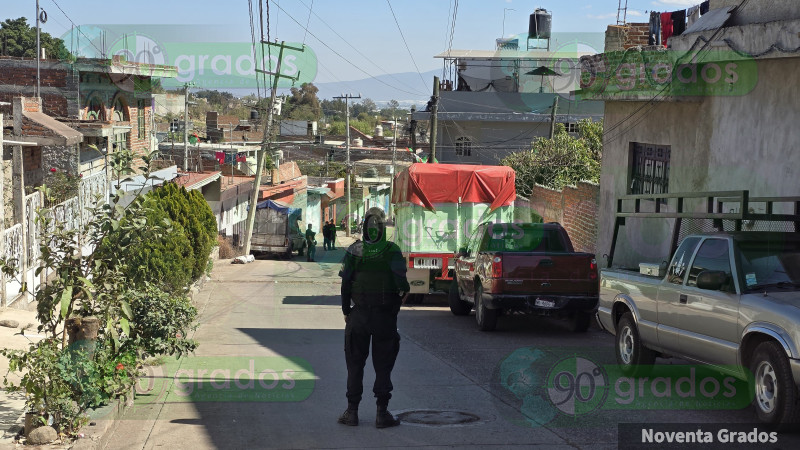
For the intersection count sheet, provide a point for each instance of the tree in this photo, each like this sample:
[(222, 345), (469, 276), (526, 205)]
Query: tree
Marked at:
[(303, 103), (561, 161), (19, 39)]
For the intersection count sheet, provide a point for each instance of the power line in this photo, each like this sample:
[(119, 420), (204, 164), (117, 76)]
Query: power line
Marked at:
[(102, 52), (310, 11), (341, 56), (388, 2), (349, 44)]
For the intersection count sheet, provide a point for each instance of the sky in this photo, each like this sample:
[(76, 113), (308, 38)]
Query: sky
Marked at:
[(364, 33)]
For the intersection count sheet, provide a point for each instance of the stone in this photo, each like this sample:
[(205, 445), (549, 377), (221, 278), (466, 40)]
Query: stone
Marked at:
[(9, 323), (42, 435)]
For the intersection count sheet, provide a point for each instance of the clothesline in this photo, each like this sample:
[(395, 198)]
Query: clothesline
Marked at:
[(664, 25)]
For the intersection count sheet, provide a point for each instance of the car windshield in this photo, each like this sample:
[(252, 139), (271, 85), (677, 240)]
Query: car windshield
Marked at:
[(771, 264), (524, 238)]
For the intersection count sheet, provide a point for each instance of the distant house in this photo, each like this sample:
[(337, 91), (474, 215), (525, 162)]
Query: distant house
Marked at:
[(491, 104), (726, 120), (108, 101)]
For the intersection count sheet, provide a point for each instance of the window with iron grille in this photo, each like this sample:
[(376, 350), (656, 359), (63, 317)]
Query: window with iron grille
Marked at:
[(140, 117), (463, 146), (571, 127), (649, 169)]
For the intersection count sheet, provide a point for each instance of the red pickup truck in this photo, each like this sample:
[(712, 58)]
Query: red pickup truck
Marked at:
[(524, 267)]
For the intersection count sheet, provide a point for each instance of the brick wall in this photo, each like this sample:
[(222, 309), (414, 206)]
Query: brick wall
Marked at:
[(622, 37), (575, 208), (59, 87)]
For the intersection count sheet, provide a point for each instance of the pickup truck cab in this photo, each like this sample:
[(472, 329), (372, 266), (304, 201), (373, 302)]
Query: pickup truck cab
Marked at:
[(731, 300), (524, 267)]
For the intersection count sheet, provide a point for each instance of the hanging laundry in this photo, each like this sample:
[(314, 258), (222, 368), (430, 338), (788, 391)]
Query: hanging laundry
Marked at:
[(655, 29), (230, 158), (678, 22), (220, 156), (666, 28), (241, 157), (692, 14), (704, 7)]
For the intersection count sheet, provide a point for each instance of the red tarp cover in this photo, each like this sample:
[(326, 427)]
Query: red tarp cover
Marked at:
[(425, 184)]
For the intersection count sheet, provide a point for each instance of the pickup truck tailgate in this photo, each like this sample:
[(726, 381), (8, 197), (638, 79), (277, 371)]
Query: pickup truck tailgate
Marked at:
[(537, 273)]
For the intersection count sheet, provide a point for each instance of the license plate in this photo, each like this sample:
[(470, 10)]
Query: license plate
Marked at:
[(544, 303), (427, 263)]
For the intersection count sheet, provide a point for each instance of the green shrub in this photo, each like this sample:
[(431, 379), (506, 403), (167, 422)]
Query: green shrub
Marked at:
[(168, 261), (191, 211), (162, 322)]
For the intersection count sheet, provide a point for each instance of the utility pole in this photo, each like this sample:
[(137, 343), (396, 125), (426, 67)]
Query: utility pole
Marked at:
[(553, 117), (412, 129), (347, 146), (434, 119), (38, 54), (394, 159), (186, 126), (251, 212)]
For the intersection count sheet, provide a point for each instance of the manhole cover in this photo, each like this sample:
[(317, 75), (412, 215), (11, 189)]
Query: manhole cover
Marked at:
[(438, 418)]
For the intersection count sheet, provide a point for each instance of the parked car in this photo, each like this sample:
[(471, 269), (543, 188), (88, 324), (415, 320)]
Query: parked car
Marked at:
[(731, 300), (532, 268)]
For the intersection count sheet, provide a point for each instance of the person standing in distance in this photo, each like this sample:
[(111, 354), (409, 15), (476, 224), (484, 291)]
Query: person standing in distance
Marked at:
[(374, 286), (311, 242)]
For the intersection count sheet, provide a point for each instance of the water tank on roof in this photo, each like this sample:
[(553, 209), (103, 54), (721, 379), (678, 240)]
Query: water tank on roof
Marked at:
[(358, 142), (540, 24), (253, 114), (378, 131)]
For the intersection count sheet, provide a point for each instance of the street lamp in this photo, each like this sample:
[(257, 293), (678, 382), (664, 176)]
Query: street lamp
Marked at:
[(504, 19)]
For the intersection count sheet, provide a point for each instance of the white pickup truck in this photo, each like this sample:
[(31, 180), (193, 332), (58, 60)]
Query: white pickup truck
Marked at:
[(731, 300)]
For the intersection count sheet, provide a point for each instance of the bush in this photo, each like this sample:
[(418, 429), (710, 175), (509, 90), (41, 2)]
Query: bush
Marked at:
[(168, 260), (190, 210), (162, 322)]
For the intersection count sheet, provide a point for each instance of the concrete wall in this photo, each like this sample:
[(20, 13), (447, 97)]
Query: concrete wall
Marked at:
[(760, 11), (491, 141), (169, 103), (746, 142)]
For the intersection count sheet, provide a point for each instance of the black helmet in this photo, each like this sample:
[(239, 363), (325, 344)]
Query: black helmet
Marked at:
[(374, 219)]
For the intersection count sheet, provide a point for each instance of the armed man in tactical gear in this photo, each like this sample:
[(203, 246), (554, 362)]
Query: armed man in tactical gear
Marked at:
[(373, 287)]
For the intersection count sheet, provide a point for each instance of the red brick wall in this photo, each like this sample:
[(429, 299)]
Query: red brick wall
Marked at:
[(637, 35), (575, 208)]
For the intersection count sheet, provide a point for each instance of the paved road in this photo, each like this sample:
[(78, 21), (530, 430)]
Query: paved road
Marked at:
[(285, 315)]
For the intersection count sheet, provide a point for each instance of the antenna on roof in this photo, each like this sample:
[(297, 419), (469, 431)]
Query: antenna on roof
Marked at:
[(622, 11)]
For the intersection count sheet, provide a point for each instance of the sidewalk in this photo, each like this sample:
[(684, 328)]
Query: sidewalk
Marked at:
[(12, 406)]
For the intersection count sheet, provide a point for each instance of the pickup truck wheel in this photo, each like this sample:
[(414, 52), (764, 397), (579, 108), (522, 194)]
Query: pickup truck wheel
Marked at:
[(632, 356), (487, 318), (776, 395), (580, 321), (289, 251), (457, 306)]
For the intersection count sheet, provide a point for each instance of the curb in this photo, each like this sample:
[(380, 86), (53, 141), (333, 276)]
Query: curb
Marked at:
[(96, 436)]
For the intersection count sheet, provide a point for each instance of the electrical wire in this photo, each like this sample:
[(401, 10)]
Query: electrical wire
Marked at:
[(388, 2), (308, 21), (651, 104), (102, 52), (342, 56), (353, 47)]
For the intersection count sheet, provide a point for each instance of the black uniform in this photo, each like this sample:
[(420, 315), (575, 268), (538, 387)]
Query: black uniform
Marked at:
[(373, 282)]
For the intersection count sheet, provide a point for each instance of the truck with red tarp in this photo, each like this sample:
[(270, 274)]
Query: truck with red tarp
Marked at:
[(437, 208)]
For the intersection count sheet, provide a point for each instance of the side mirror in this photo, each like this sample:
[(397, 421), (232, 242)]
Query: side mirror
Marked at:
[(711, 280)]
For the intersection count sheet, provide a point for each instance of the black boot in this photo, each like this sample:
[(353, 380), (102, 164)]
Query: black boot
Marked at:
[(385, 419), (349, 416)]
